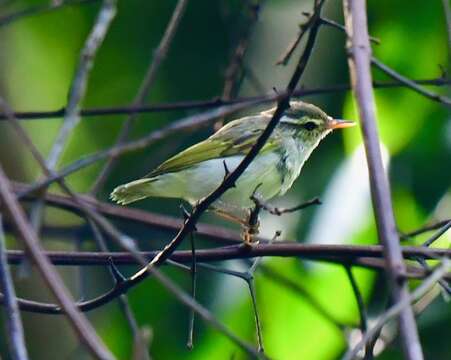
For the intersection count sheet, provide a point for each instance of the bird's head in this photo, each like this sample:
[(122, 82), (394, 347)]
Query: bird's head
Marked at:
[(309, 123)]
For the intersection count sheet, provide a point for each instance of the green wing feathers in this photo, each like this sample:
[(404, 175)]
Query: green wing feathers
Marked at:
[(235, 138)]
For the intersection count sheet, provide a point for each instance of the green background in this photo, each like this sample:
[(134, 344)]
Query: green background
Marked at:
[(38, 55)]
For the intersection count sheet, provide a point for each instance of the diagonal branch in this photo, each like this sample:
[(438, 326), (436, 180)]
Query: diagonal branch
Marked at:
[(84, 330)]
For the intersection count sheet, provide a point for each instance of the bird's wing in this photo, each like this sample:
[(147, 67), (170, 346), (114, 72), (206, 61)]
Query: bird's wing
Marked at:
[(235, 138)]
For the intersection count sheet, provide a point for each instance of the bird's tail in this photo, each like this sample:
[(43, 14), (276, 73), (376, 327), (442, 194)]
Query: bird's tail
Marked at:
[(132, 191)]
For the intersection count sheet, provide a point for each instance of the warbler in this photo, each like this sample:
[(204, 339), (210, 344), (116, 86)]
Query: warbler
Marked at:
[(195, 172)]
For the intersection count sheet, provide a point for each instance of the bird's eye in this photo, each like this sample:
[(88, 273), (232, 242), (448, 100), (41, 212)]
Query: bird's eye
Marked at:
[(310, 125)]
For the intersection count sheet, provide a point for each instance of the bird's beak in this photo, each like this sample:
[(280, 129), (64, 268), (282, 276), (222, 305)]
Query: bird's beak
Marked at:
[(340, 124)]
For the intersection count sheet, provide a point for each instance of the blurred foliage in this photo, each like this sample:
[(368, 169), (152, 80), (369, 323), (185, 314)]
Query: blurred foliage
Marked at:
[(38, 55)]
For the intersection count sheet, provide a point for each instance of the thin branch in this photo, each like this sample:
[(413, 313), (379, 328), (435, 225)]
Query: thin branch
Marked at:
[(13, 323), (193, 271), (397, 309), (123, 299), (294, 286), (438, 234), (359, 51), (205, 104), (127, 243), (144, 89), (84, 330), (77, 92), (426, 228), (342, 254), (447, 12), (410, 83)]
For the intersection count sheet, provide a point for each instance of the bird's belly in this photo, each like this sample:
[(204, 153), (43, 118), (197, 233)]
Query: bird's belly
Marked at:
[(208, 175)]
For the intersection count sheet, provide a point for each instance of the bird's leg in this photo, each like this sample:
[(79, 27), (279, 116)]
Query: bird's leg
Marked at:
[(249, 222), (252, 226), (231, 217)]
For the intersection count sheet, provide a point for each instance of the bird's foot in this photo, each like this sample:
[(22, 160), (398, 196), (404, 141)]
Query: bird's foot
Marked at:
[(249, 233)]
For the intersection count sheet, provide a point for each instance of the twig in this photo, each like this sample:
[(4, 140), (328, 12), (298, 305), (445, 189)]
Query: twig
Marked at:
[(193, 271), (359, 255), (235, 68), (359, 59), (424, 229), (80, 81), (40, 9), (13, 323), (362, 311), (439, 233), (447, 12), (144, 89), (205, 104), (410, 83), (123, 299), (84, 330), (77, 92), (186, 123), (280, 211), (397, 309)]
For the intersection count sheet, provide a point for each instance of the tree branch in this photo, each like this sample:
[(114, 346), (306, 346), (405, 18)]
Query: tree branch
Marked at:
[(359, 49)]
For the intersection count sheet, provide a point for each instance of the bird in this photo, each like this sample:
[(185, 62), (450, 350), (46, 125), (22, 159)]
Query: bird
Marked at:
[(194, 173)]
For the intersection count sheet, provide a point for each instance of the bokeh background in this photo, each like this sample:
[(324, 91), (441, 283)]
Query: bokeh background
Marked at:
[(38, 55)]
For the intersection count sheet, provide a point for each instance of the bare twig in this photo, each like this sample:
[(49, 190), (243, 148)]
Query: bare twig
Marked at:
[(397, 309), (13, 323), (410, 83), (438, 234), (84, 330), (235, 71), (188, 122), (203, 104), (359, 255), (359, 49), (144, 89), (280, 211), (193, 271), (362, 310), (77, 92)]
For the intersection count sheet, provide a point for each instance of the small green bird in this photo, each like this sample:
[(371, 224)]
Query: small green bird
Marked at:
[(197, 171)]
